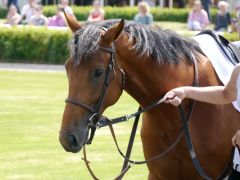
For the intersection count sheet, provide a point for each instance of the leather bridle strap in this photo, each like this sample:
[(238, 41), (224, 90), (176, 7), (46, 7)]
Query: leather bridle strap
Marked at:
[(79, 103), (184, 120), (191, 150), (124, 171)]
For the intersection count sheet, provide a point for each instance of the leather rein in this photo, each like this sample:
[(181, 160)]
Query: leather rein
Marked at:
[(96, 120)]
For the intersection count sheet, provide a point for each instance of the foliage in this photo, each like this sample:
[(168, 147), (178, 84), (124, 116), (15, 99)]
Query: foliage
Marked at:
[(42, 45), (35, 45), (232, 37), (3, 13), (127, 13)]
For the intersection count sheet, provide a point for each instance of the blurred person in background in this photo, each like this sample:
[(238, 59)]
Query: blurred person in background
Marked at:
[(206, 4), (27, 11), (223, 18), (14, 2), (38, 19), (68, 10), (13, 18), (97, 13), (197, 18), (236, 20), (144, 16), (58, 19)]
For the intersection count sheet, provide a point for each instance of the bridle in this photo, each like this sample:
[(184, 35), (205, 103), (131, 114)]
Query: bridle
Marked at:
[(95, 110), (97, 120)]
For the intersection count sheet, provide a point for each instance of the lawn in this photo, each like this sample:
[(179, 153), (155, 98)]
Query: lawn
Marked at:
[(31, 108)]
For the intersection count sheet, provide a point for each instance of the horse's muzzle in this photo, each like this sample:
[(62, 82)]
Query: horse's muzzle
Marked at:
[(71, 142)]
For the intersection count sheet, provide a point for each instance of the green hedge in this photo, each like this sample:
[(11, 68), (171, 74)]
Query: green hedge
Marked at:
[(127, 13), (3, 13), (35, 45), (41, 45), (177, 15), (232, 37)]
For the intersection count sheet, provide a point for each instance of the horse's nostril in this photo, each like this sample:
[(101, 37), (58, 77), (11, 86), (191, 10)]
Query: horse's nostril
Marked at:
[(73, 140)]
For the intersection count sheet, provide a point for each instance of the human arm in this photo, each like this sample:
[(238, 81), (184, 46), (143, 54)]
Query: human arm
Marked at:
[(190, 21), (205, 20), (150, 19), (236, 139), (213, 94)]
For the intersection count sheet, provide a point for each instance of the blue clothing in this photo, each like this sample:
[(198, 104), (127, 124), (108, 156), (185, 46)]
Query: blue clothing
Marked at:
[(144, 19), (222, 21), (205, 5), (15, 3)]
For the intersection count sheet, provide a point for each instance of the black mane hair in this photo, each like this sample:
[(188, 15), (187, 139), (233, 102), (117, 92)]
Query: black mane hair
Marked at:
[(164, 46)]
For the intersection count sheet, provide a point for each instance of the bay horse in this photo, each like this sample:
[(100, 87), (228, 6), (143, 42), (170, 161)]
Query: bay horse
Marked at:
[(154, 61)]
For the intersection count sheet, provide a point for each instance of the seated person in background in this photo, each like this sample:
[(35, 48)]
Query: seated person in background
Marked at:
[(97, 13), (68, 10), (13, 18), (27, 11), (197, 18), (38, 19), (236, 21), (58, 19), (223, 17), (144, 16)]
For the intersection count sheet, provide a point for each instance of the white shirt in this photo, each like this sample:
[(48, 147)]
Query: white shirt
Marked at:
[(236, 158), (28, 12), (238, 90), (68, 10)]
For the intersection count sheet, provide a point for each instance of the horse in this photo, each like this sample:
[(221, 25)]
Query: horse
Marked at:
[(149, 61)]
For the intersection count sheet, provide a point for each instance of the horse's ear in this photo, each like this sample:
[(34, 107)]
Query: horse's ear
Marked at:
[(73, 24), (113, 33)]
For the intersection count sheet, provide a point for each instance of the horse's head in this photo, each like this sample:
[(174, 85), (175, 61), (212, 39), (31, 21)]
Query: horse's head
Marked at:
[(95, 82)]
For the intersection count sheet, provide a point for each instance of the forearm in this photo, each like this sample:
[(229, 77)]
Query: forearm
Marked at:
[(212, 94)]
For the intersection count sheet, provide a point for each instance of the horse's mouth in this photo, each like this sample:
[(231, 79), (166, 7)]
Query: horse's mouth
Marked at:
[(72, 143), (73, 149)]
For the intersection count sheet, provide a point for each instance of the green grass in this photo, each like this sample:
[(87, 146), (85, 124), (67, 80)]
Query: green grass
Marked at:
[(31, 109)]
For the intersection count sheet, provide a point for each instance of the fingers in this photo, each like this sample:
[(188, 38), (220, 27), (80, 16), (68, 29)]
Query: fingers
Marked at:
[(176, 101), (236, 139)]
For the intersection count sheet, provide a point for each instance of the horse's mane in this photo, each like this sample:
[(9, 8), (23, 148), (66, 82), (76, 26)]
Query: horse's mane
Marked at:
[(164, 46)]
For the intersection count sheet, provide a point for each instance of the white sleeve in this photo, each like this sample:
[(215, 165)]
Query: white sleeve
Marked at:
[(23, 11)]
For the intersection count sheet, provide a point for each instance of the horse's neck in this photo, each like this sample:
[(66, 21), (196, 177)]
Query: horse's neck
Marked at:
[(147, 80)]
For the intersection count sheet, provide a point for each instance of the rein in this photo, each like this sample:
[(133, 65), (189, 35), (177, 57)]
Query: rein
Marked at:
[(128, 163), (97, 121)]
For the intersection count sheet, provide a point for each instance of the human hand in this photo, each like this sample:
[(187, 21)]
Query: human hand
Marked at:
[(236, 139), (175, 96)]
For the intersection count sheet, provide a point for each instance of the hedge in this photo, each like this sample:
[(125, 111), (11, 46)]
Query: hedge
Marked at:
[(127, 13), (35, 45), (177, 15), (41, 45)]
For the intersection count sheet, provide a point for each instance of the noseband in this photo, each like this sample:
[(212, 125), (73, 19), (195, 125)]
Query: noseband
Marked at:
[(95, 110)]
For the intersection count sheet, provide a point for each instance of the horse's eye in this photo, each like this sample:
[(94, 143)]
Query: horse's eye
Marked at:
[(97, 73)]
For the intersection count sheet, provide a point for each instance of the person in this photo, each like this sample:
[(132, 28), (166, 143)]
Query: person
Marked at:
[(97, 13), (144, 16), (235, 23), (58, 19), (13, 18), (223, 18), (38, 19), (27, 11), (68, 10), (13, 2), (197, 18), (206, 4), (214, 95)]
